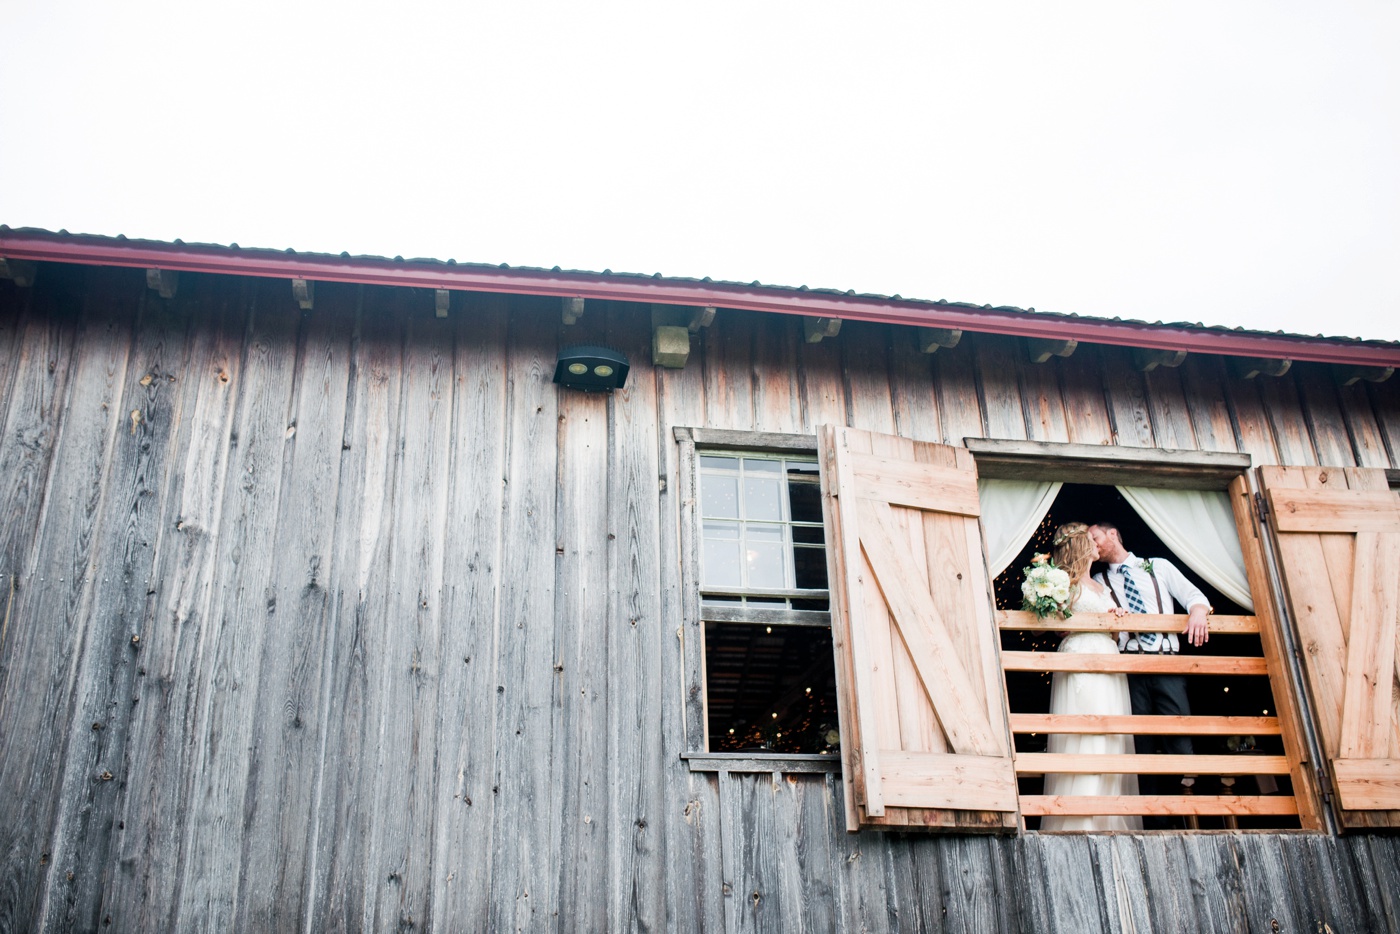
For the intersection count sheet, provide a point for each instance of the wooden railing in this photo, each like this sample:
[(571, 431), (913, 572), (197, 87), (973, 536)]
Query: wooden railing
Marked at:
[(1226, 766)]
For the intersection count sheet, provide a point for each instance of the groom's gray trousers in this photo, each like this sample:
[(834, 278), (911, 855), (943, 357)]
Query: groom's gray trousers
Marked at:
[(1164, 695)]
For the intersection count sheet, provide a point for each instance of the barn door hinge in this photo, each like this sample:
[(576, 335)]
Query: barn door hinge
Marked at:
[(1261, 511), (1324, 782)]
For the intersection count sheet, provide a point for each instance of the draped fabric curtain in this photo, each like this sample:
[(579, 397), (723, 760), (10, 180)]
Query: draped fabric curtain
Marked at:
[(1011, 512), (1199, 528)]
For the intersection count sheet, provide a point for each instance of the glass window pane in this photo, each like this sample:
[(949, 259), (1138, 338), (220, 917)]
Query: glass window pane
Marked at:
[(761, 465), (719, 495), (809, 534), (765, 563), (763, 498), (721, 564), (770, 689), (806, 502), (809, 567), (719, 462)]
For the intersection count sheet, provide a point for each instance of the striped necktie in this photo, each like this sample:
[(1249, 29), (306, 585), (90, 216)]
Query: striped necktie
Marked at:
[(1135, 604)]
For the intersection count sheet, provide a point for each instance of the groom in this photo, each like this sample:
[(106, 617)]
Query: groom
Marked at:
[(1150, 587)]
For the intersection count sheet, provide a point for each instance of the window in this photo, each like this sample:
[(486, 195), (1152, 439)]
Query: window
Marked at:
[(759, 652)]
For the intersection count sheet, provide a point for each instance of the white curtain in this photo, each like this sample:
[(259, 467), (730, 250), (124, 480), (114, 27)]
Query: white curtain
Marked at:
[(1199, 527), (1011, 512)]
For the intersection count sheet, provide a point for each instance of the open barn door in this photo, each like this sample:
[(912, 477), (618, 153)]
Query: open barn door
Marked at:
[(923, 715), (1338, 534)]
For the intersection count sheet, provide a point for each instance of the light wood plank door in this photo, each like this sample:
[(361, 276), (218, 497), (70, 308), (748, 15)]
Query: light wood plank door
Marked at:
[(1338, 533), (923, 717)]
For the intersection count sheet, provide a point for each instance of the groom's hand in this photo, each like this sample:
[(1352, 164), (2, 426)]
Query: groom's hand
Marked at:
[(1197, 631)]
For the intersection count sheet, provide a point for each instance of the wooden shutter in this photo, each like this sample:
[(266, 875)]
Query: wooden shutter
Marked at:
[(923, 716), (1338, 534)]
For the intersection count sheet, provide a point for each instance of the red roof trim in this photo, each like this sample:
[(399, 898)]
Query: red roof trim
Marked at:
[(106, 251)]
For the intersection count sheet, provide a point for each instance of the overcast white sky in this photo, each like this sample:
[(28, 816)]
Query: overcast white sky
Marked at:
[(1228, 162)]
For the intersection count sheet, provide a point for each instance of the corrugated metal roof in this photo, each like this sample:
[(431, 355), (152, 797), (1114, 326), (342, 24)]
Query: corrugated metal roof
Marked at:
[(430, 272)]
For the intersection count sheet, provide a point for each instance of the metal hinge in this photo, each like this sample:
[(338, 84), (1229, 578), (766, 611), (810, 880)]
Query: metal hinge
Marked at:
[(1261, 511), (1324, 782)]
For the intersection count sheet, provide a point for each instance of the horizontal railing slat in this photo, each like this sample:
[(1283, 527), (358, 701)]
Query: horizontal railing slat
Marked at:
[(1135, 664), (1086, 805), (1143, 725), (1133, 622), (1038, 763)]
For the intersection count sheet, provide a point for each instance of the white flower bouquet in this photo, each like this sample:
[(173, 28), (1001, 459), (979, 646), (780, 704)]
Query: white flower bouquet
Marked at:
[(1046, 589)]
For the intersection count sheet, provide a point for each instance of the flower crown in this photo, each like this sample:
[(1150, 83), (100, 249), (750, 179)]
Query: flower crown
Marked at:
[(1060, 539)]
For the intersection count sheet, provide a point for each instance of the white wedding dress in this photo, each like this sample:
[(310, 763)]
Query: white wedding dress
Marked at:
[(1090, 693)]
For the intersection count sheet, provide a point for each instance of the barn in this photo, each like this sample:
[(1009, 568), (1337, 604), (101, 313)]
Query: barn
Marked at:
[(364, 593)]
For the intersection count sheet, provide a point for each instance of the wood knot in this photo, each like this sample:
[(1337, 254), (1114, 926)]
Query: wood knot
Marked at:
[(106, 776)]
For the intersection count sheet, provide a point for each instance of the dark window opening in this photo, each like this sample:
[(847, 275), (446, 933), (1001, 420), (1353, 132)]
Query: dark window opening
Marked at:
[(770, 689)]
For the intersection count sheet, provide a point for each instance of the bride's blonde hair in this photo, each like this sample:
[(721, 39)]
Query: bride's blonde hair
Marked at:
[(1074, 552)]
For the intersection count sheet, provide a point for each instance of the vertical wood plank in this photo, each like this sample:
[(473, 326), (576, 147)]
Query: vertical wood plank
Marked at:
[(777, 400), (823, 392), (471, 583), (959, 409), (153, 811), (1202, 378), (1171, 419), (913, 391), (524, 871), (866, 371), (225, 731), (1385, 402), (1288, 420), (728, 370), (1362, 426), (1041, 399), (1254, 435), (645, 773), (1127, 399), (1317, 392), (289, 710), (1000, 389), (1081, 386)]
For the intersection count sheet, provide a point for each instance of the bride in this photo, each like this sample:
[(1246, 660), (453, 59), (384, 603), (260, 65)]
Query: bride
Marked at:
[(1088, 692)]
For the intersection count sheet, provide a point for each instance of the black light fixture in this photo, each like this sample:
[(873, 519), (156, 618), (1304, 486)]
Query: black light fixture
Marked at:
[(591, 368)]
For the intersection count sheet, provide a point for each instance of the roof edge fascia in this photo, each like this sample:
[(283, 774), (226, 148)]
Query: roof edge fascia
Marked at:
[(232, 260)]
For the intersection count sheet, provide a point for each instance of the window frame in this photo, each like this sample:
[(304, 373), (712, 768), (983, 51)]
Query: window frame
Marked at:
[(691, 441)]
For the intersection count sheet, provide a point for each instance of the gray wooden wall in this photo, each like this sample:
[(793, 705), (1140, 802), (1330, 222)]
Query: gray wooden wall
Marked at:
[(350, 620)]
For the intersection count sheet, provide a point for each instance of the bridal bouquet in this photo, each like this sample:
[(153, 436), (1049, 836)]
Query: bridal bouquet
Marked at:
[(1045, 589)]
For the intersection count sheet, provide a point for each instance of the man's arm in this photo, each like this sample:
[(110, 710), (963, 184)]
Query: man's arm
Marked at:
[(1189, 596)]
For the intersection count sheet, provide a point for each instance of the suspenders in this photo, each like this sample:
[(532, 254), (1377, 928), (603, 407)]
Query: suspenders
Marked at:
[(1156, 588)]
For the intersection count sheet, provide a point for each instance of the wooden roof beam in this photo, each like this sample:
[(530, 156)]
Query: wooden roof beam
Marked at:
[(1041, 349), (163, 281), (1351, 375), (20, 271), (572, 308), (304, 291), (1250, 367), (1149, 360), (815, 329), (930, 339)]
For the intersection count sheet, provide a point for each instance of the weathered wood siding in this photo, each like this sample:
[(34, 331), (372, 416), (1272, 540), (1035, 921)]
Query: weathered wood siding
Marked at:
[(349, 619)]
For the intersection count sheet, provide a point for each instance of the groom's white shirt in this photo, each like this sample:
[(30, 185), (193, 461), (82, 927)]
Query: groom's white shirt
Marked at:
[(1175, 586)]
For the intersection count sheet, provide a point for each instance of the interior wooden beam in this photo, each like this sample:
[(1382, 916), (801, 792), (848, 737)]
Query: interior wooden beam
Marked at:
[(304, 291), (1042, 349), (1148, 360), (163, 281), (1038, 763), (1351, 375), (814, 329), (442, 302), (572, 309), (929, 340), (1250, 367), (19, 271)]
